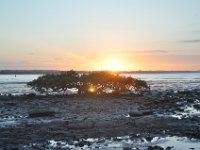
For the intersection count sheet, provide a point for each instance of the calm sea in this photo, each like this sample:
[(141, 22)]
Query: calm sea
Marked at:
[(17, 85), (171, 81)]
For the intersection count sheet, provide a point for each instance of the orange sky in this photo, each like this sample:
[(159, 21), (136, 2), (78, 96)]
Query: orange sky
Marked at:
[(100, 35), (112, 61)]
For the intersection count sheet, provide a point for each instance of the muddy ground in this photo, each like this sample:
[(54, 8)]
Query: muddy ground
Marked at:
[(25, 120)]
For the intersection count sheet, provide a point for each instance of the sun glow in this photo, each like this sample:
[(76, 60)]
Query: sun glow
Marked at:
[(113, 64), (91, 89)]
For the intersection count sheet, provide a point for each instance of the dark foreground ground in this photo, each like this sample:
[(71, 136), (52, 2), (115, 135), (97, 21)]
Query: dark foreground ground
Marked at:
[(34, 121)]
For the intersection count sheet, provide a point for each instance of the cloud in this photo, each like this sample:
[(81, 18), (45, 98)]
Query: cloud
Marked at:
[(190, 41), (31, 54), (152, 51), (139, 52), (58, 59)]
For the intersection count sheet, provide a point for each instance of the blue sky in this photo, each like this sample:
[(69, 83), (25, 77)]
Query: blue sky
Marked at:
[(83, 34)]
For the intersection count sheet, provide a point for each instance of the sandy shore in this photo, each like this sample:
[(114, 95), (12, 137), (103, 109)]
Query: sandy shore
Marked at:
[(27, 120)]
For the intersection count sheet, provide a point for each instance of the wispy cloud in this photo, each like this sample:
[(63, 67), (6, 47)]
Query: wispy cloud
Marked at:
[(31, 53), (190, 41), (152, 51), (139, 52)]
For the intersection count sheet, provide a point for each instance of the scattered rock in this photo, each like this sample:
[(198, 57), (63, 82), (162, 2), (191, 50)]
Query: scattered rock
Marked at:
[(83, 143), (116, 139), (194, 134), (101, 141), (169, 147), (185, 92), (127, 148), (149, 138), (78, 119), (155, 148), (197, 106), (189, 100), (81, 125), (31, 95), (10, 103), (180, 109), (35, 114), (140, 113)]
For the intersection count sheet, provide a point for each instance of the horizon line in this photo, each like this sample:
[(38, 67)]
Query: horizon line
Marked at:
[(56, 70)]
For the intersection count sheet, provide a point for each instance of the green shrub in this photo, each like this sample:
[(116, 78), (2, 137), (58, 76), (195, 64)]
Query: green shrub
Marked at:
[(90, 83)]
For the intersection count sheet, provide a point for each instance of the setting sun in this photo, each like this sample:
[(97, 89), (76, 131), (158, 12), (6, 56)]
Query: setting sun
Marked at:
[(113, 64)]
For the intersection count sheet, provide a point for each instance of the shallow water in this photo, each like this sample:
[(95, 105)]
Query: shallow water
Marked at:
[(170, 81), (188, 111), (9, 84), (179, 143), (118, 143), (16, 85), (11, 120)]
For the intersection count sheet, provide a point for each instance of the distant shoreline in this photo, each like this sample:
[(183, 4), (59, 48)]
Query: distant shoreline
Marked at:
[(150, 72), (57, 71)]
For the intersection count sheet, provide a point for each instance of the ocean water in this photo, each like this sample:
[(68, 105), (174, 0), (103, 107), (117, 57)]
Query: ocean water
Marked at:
[(16, 85), (9, 84), (170, 81)]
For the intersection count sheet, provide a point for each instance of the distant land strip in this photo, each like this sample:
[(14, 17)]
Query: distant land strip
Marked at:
[(58, 71)]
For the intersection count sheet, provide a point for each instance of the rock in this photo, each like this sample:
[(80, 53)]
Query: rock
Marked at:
[(127, 148), (140, 113), (185, 92), (101, 141), (189, 100), (194, 119), (81, 125), (10, 103), (155, 148), (116, 139), (31, 95), (149, 138), (150, 148), (35, 114), (194, 134), (197, 106), (180, 109), (70, 142), (83, 143), (169, 147), (80, 144)]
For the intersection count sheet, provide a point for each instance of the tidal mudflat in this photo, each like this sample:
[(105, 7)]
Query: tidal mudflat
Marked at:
[(154, 120)]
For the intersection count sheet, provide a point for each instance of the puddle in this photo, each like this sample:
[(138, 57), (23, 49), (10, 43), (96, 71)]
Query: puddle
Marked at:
[(8, 121), (189, 111), (119, 143), (179, 143)]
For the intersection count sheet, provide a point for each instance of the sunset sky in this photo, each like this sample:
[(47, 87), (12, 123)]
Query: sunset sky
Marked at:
[(100, 34)]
